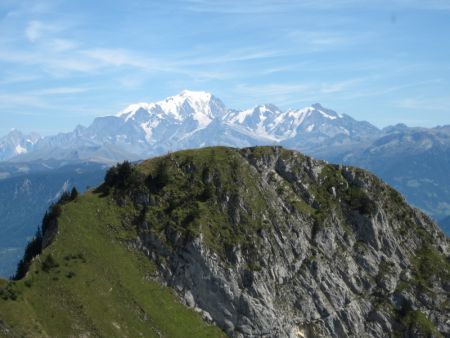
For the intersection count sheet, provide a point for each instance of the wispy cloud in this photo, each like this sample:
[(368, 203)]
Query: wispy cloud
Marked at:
[(308, 88), (272, 89), (340, 86), (260, 6), (421, 4), (290, 67), (288, 94), (62, 45), (38, 97), (13, 78), (65, 65), (35, 30), (376, 90), (60, 56), (320, 40), (236, 55), (16, 57), (276, 93), (60, 91), (425, 104), (117, 58), (49, 61), (286, 52), (8, 101), (280, 6)]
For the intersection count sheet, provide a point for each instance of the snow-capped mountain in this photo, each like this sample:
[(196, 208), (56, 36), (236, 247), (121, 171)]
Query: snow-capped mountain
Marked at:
[(138, 131), (300, 127), (16, 143), (260, 120), (200, 107), (171, 120), (193, 119)]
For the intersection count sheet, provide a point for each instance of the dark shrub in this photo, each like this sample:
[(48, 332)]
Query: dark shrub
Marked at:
[(159, 179), (123, 177), (49, 263), (73, 194)]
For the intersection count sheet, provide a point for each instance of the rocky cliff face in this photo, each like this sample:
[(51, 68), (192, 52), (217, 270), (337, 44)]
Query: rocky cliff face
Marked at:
[(266, 242)]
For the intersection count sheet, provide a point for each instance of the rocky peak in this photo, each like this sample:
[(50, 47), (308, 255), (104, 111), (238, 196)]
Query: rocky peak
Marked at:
[(268, 242), (262, 242)]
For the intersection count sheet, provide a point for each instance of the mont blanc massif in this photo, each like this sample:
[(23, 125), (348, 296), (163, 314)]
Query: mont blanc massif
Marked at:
[(223, 225)]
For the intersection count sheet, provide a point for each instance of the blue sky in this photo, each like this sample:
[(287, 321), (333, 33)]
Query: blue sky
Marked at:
[(64, 62)]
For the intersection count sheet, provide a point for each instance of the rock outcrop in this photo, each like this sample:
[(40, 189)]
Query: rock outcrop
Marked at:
[(266, 242)]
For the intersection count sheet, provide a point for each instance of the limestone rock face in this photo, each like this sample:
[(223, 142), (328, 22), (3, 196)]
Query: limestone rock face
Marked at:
[(266, 242)]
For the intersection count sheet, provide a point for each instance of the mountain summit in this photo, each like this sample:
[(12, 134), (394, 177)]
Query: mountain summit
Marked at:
[(201, 107), (261, 242)]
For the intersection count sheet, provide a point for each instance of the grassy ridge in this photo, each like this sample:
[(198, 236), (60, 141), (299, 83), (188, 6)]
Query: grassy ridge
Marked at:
[(88, 282)]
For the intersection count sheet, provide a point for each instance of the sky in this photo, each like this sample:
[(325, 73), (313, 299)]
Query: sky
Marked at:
[(62, 63)]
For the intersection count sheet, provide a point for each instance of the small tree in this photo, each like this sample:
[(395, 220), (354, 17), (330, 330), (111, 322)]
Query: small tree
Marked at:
[(125, 172), (73, 194), (65, 197), (111, 176), (119, 175), (160, 178), (49, 263), (123, 177)]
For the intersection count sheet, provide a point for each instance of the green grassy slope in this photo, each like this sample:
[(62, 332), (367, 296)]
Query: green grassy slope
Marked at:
[(88, 283)]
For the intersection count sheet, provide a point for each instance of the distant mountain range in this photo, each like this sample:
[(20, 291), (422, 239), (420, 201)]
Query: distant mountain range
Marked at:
[(190, 120), (414, 160)]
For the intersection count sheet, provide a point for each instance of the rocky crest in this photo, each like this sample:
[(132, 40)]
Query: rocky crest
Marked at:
[(266, 242)]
